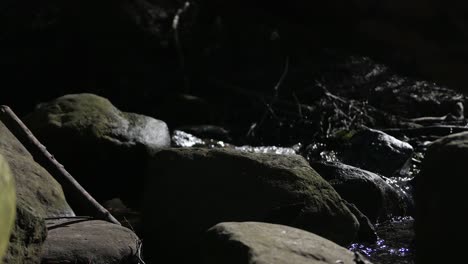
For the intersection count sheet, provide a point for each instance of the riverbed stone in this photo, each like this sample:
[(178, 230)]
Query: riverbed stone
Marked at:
[(376, 151), (440, 200), (264, 243), (38, 196), (84, 241), (27, 238), (35, 187), (366, 232), (111, 144), (7, 205), (191, 189), (374, 197)]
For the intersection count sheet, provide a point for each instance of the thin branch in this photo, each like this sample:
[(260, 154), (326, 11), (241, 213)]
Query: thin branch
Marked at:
[(299, 108), (78, 196), (283, 76), (275, 96)]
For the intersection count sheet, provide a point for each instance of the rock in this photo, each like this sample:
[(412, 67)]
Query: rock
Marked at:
[(418, 99), (38, 196), (7, 205), (378, 152), (27, 238), (368, 191), (111, 145), (83, 241), (262, 243), (440, 196), (190, 190), (36, 189), (366, 231), (128, 217)]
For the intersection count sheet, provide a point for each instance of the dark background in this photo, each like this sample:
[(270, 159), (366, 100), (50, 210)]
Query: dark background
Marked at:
[(126, 49)]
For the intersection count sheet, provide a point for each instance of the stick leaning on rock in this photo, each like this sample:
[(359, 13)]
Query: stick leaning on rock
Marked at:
[(78, 197)]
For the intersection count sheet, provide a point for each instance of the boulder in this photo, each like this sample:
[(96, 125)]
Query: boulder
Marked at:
[(36, 189), (38, 194), (440, 200), (376, 151), (7, 205), (111, 144), (188, 190), (374, 197), (27, 238), (366, 232), (263, 243), (84, 241)]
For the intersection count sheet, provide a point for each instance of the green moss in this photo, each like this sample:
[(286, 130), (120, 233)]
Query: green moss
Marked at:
[(35, 187), (27, 238), (7, 205), (219, 185), (78, 112)]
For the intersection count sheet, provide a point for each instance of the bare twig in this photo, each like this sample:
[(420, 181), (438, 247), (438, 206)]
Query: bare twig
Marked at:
[(275, 95), (234, 89), (299, 108), (283, 76), (270, 109), (79, 198)]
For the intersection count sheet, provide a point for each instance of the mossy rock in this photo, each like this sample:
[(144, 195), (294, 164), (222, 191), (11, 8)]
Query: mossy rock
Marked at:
[(374, 197), (27, 239), (36, 189), (7, 205), (190, 190), (100, 145), (38, 195)]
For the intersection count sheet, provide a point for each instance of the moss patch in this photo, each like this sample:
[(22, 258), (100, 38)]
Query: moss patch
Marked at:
[(7, 205)]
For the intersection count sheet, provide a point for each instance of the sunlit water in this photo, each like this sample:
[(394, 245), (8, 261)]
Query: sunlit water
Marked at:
[(183, 139)]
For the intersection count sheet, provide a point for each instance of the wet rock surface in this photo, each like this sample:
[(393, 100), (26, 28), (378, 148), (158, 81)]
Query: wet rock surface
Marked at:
[(374, 197), (376, 151), (395, 244)]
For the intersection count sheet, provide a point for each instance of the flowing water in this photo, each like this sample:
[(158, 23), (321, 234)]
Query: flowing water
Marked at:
[(395, 244), (395, 236)]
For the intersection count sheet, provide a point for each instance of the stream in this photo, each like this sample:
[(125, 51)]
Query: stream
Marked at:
[(356, 93), (395, 236)]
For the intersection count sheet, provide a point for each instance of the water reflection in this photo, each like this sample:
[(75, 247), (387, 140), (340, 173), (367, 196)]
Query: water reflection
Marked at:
[(270, 149), (395, 244), (183, 139)]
